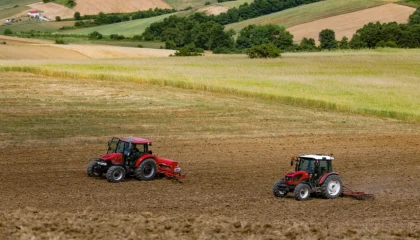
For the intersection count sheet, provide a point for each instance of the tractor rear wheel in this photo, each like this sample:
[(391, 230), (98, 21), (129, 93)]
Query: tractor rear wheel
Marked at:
[(279, 189), (115, 174), (146, 170), (91, 171), (302, 192), (332, 186)]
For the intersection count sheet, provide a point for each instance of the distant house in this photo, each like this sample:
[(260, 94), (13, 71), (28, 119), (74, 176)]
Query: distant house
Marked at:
[(8, 20), (33, 13)]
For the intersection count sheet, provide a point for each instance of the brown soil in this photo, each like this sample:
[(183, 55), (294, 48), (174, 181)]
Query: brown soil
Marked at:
[(51, 10), (45, 193), (227, 193), (213, 10), (20, 48), (348, 24)]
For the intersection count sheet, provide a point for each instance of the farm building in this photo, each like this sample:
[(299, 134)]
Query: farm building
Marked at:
[(33, 13)]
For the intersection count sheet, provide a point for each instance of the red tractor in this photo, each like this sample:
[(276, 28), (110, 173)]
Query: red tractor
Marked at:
[(130, 156), (313, 175)]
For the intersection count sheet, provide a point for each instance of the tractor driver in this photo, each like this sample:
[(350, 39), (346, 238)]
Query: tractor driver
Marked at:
[(135, 149)]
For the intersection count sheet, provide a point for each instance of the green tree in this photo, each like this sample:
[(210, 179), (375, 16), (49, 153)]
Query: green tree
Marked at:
[(268, 50), (327, 39), (307, 44), (257, 35), (356, 42), (77, 16), (344, 43), (415, 17), (58, 18)]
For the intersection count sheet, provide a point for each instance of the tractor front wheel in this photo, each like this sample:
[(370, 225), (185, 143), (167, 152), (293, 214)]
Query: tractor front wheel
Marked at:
[(332, 186), (91, 169), (302, 192), (115, 174), (279, 189), (147, 170)]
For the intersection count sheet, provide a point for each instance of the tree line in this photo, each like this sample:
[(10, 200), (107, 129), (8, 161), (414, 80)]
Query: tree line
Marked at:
[(197, 30)]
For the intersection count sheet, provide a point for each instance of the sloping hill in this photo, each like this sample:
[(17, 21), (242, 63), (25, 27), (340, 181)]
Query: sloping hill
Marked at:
[(308, 13), (95, 6), (348, 24), (128, 29)]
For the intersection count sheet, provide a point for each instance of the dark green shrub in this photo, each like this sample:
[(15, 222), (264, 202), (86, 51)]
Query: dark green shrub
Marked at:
[(189, 50), (264, 51), (58, 18), (95, 35), (7, 31), (59, 41)]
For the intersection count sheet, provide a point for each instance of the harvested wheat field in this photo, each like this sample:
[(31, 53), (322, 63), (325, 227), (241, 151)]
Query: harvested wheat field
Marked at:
[(90, 7), (231, 148), (348, 24), (21, 49)]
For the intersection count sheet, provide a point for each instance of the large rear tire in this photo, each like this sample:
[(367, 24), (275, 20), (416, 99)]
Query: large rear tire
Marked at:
[(115, 174), (279, 189), (302, 192), (91, 169), (146, 170), (332, 187)]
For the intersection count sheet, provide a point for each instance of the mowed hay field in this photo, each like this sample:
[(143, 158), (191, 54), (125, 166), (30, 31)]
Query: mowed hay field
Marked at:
[(90, 7), (346, 25), (231, 142)]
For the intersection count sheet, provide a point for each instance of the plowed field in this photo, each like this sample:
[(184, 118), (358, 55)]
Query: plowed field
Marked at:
[(232, 149)]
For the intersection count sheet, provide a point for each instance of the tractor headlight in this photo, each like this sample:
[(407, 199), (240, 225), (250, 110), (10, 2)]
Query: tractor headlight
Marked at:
[(102, 163), (177, 169)]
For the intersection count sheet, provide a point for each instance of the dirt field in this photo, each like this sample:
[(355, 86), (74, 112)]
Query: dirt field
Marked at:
[(348, 24), (213, 10), (52, 10), (46, 194), (21, 49)]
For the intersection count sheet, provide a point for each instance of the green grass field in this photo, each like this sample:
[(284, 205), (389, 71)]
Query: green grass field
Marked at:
[(9, 12), (12, 3), (382, 83), (128, 29), (37, 26), (308, 13)]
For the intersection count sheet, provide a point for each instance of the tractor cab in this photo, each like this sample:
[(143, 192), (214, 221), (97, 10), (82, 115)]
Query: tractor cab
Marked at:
[(128, 149), (316, 165)]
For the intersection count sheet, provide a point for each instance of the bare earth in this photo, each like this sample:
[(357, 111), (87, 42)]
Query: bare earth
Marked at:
[(19, 48), (95, 6), (348, 24), (45, 193), (213, 10)]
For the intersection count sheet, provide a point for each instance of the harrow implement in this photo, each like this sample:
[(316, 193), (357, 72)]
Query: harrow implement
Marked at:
[(347, 192)]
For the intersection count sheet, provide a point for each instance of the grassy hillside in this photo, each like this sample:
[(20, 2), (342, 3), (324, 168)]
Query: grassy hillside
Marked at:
[(127, 29), (9, 12), (11, 3), (380, 83), (308, 13), (182, 4), (38, 26)]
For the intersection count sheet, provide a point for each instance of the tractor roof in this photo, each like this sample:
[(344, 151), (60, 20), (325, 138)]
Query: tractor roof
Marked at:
[(136, 140), (318, 157)]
